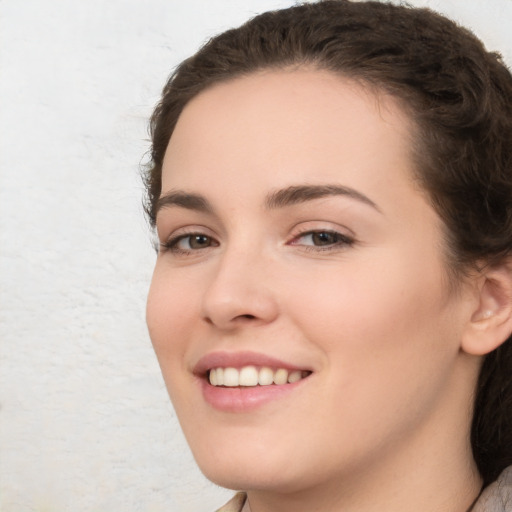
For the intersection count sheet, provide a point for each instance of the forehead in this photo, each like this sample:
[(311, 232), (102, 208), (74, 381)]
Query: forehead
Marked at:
[(312, 123)]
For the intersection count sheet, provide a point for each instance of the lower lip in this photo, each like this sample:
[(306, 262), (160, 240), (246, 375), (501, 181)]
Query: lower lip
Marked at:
[(244, 399)]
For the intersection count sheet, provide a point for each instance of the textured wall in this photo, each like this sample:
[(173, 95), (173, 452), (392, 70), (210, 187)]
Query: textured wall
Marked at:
[(85, 423)]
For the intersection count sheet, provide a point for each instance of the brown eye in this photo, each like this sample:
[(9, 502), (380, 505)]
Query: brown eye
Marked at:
[(324, 238), (199, 241), (188, 243)]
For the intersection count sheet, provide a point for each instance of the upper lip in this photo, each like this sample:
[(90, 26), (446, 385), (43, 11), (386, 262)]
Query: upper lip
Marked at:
[(239, 360)]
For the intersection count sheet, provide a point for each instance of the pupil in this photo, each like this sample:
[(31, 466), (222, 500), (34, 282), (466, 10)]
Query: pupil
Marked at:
[(198, 241), (323, 238)]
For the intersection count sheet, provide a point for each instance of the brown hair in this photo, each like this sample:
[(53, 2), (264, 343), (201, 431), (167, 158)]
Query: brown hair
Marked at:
[(460, 96)]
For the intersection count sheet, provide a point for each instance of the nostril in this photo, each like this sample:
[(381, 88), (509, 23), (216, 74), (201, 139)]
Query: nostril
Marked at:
[(238, 317), (248, 317)]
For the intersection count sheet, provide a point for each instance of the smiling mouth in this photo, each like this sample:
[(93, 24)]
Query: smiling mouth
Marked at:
[(251, 376)]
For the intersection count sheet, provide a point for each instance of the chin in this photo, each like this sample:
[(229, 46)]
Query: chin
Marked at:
[(247, 467), (252, 476), (265, 466)]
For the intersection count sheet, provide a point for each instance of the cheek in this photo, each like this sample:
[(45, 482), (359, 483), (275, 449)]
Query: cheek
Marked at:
[(388, 347), (170, 306), (385, 321), (168, 312)]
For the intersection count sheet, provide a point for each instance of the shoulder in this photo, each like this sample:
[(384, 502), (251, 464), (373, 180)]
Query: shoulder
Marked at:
[(235, 504), (498, 496)]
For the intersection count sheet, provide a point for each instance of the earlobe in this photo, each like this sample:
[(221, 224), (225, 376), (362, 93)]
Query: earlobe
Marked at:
[(491, 321)]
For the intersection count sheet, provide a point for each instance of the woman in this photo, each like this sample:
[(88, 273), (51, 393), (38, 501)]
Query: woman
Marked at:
[(331, 305)]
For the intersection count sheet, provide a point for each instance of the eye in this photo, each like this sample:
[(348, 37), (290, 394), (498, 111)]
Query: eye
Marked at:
[(323, 239), (189, 242)]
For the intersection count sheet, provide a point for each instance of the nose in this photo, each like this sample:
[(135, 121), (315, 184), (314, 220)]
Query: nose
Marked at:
[(239, 292)]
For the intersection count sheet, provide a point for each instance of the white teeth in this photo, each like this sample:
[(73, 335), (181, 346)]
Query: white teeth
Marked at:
[(231, 377), (281, 376), (265, 376), (250, 376), (219, 372), (294, 376)]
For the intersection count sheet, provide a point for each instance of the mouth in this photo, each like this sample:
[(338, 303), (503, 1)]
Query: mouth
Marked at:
[(245, 381), (252, 376)]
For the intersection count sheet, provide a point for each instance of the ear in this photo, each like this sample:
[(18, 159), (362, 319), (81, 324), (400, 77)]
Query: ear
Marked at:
[(491, 321)]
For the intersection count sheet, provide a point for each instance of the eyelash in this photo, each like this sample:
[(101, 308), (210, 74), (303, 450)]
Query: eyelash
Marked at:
[(339, 243), (171, 245)]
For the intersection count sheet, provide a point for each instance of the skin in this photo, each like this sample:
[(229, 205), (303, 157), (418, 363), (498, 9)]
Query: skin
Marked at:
[(382, 423)]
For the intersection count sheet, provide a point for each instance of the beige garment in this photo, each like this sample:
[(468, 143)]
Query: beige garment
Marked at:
[(235, 504), (495, 498), (498, 496)]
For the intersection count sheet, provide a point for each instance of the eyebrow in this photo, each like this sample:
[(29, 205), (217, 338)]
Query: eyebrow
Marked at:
[(282, 198), (184, 200), (303, 193)]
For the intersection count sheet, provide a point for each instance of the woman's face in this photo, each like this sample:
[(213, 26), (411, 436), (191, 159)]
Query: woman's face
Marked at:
[(294, 239)]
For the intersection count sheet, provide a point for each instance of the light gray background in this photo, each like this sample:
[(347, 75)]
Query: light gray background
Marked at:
[(85, 423)]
